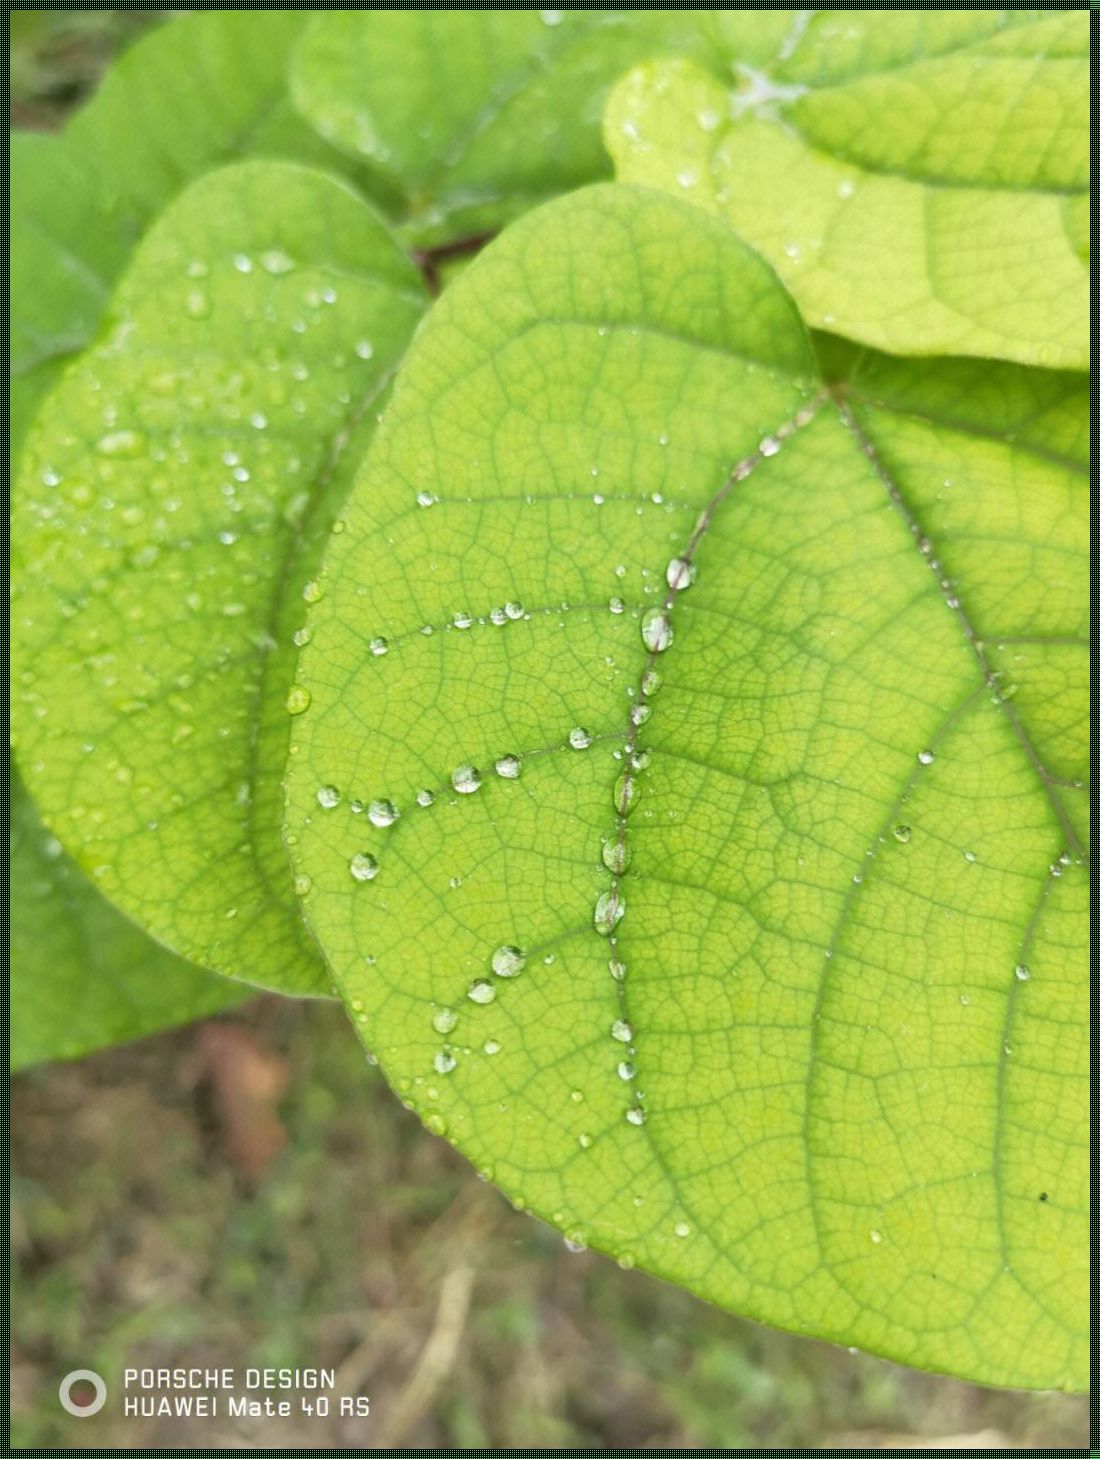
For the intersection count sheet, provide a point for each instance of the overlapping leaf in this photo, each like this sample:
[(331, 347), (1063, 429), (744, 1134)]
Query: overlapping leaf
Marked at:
[(203, 91), (477, 114), (173, 498), (918, 180), (736, 926), (82, 976)]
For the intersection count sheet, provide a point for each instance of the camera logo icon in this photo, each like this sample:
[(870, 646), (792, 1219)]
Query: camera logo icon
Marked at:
[(82, 1403)]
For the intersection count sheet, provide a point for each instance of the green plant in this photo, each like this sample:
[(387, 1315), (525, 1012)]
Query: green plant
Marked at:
[(680, 714)]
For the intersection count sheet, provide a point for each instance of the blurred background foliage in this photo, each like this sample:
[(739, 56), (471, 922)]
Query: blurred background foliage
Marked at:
[(247, 1192)]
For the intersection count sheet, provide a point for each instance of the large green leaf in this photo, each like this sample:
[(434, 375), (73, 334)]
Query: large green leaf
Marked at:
[(829, 1069), (82, 976), (919, 180), (205, 90), (174, 493), (477, 114)]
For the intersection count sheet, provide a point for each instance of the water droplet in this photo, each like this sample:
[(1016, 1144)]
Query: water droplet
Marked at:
[(608, 912), (426, 498), (584, 1141), (491, 1046), (577, 1096), (363, 866), (769, 446), (364, 349), (328, 797), (651, 682), (425, 798), (508, 961), (625, 793), (466, 779), (656, 630), (639, 713), (616, 856), (302, 636), (125, 444), (845, 188), (680, 574), (497, 616), (636, 1115), (876, 1236), (436, 1124), (302, 885), (970, 856), (622, 1031), (378, 647), (481, 992), (513, 611), (313, 592), (198, 304), (904, 834), (926, 757), (617, 969), (579, 738), (382, 813), (626, 1070), (275, 261), (444, 1020), (616, 605), (1023, 972), (462, 620), (574, 1243), (242, 263), (507, 767), (682, 1229), (298, 700)]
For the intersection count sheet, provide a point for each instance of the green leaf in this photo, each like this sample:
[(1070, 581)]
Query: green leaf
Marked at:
[(82, 977), (202, 91), (854, 780), (919, 181), (175, 492), (477, 114)]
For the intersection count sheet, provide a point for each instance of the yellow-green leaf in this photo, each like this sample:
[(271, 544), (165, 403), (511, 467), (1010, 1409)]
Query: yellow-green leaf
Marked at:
[(918, 180), (736, 926), (174, 494)]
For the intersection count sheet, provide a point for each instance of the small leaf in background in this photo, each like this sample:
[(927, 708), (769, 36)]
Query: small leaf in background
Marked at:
[(919, 181), (82, 976), (173, 499), (720, 737), (195, 94), (477, 114)]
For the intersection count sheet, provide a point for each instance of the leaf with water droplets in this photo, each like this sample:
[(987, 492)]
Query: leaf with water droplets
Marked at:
[(785, 981), (195, 94), (82, 976), (476, 114), (175, 494), (912, 177)]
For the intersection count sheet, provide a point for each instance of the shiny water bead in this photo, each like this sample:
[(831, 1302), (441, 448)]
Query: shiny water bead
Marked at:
[(608, 912), (497, 616), (514, 611), (616, 856), (382, 813), (507, 767), (680, 574), (622, 1031), (656, 630), (444, 1020), (639, 713), (298, 700), (625, 793), (491, 1046), (682, 1229), (462, 620), (481, 991), (584, 1141), (616, 605), (641, 759), (378, 647), (1023, 973), (466, 779), (617, 969), (626, 1070), (769, 446), (328, 797), (363, 866), (313, 592), (651, 682), (904, 834), (425, 798), (508, 961), (443, 1062), (926, 757), (636, 1115), (579, 738), (426, 498)]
